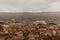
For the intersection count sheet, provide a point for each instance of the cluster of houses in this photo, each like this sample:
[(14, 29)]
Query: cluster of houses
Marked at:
[(38, 30)]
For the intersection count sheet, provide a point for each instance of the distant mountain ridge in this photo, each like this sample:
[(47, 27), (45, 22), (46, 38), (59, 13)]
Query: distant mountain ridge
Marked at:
[(29, 15)]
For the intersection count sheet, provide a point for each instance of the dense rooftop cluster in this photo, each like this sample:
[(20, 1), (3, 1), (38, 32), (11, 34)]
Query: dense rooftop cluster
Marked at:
[(38, 31)]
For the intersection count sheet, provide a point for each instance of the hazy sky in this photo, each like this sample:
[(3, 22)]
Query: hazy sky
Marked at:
[(29, 5)]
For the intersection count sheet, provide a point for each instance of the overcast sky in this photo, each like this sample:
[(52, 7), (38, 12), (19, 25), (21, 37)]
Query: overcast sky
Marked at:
[(29, 5)]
